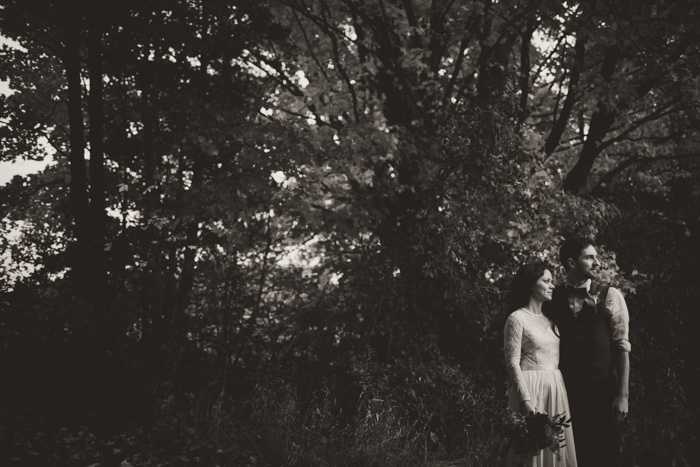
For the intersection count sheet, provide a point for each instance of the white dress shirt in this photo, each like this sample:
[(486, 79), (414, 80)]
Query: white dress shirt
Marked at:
[(615, 310)]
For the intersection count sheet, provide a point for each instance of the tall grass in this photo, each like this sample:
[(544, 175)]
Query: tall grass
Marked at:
[(406, 414)]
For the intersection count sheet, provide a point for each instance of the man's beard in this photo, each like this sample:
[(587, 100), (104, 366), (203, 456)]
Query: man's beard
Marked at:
[(591, 274), (585, 274)]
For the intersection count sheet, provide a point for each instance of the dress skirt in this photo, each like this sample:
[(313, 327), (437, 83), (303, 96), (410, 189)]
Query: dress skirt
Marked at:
[(548, 395)]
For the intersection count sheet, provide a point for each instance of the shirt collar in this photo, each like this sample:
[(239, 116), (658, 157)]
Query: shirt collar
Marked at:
[(585, 285)]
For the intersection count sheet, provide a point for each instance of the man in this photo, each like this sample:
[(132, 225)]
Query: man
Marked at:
[(594, 325)]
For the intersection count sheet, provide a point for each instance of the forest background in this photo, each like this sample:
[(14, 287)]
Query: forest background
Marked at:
[(280, 232)]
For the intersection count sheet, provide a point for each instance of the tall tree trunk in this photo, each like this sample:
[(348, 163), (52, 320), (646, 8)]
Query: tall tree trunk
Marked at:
[(493, 67), (525, 69), (438, 33), (571, 97), (601, 121), (186, 282), (154, 291), (78, 176), (98, 216)]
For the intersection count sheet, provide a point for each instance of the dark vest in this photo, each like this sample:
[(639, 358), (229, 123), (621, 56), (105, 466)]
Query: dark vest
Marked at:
[(586, 340)]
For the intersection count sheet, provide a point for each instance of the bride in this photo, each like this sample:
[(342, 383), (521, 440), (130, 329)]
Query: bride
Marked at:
[(531, 347)]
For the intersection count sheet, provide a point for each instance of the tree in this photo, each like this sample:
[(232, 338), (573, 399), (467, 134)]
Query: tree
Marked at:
[(329, 195)]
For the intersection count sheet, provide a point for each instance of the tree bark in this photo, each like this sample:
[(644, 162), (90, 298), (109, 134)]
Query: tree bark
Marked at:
[(572, 95), (492, 70), (601, 121), (154, 294), (525, 69), (186, 282), (98, 216), (78, 177)]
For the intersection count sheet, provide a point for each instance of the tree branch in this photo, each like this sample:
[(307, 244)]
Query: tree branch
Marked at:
[(23, 197), (341, 71), (308, 45), (605, 180), (665, 110), (571, 97), (460, 58), (526, 39)]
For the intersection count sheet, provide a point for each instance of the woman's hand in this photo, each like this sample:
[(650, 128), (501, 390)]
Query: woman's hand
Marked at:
[(526, 407)]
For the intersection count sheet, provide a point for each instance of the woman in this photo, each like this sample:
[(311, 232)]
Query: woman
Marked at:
[(531, 346)]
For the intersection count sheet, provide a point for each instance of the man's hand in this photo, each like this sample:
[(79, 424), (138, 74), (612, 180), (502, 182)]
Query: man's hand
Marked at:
[(620, 407)]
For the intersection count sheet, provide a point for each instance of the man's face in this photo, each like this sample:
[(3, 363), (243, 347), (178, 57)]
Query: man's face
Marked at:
[(587, 264)]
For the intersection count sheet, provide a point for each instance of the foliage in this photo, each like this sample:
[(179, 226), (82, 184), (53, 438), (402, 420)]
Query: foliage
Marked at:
[(530, 434), (289, 240)]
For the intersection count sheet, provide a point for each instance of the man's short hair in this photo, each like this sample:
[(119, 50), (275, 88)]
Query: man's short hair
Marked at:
[(572, 247)]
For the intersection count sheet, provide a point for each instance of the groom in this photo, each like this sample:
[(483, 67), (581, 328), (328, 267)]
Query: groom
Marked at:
[(594, 326)]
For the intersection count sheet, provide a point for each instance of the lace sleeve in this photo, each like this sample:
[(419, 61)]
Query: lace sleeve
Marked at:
[(512, 345)]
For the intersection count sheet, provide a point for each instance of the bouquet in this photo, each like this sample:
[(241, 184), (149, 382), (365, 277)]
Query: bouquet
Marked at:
[(531, 433)]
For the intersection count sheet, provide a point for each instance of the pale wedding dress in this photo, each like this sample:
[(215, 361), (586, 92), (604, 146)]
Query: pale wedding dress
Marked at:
[(531, 350)]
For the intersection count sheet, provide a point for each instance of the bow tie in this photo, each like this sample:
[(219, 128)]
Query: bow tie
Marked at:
[(580, 292)]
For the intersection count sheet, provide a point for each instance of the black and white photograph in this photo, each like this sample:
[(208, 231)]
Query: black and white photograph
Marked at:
[(350, 233)]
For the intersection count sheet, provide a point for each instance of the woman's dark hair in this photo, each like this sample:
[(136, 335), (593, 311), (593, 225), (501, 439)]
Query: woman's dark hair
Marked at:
[(521, 287), (524, 280)]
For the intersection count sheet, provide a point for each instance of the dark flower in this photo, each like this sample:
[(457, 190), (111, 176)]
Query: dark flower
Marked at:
[(536, 431), (537, 424)]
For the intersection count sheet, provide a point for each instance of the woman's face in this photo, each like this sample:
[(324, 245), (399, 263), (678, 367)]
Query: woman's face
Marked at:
[(542, 290)]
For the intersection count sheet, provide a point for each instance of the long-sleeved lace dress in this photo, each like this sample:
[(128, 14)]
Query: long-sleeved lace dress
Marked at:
[(532, 360)]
